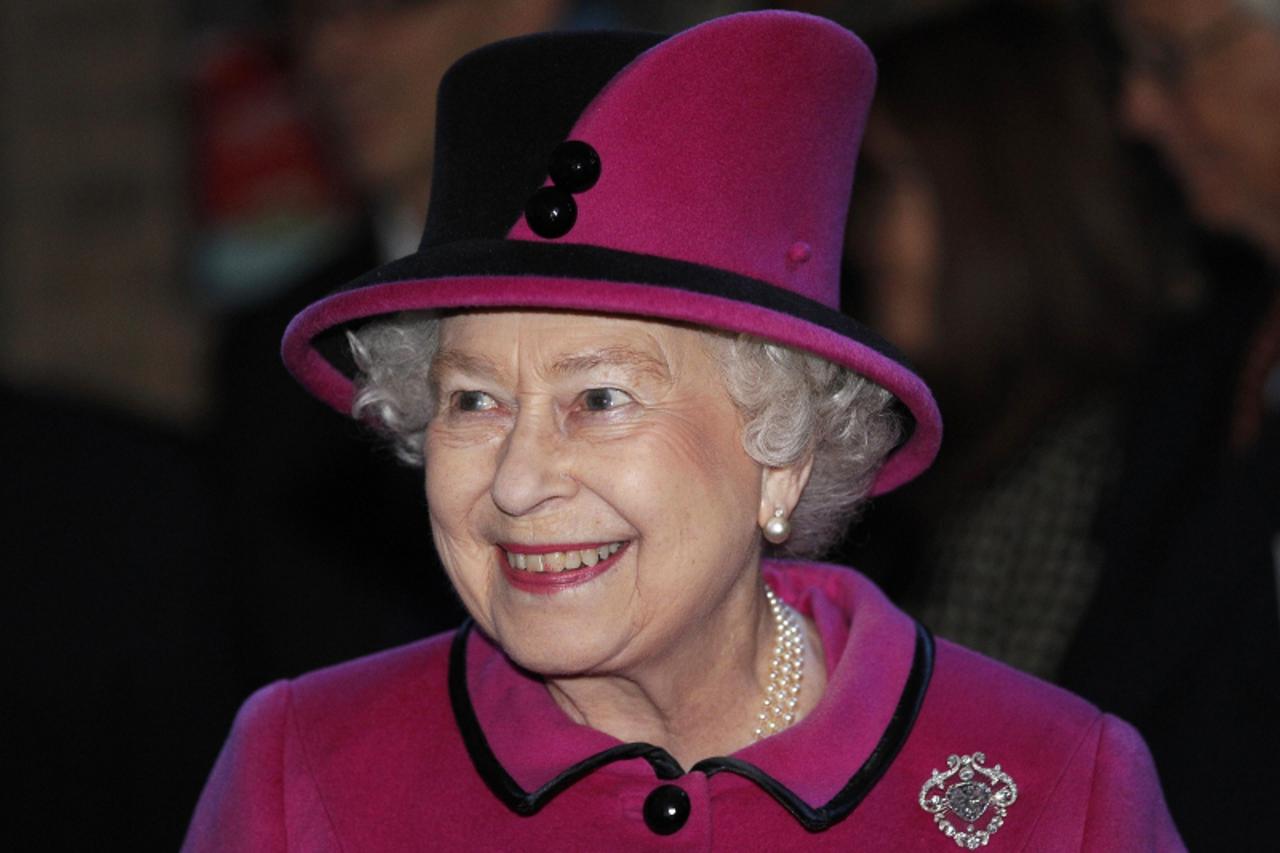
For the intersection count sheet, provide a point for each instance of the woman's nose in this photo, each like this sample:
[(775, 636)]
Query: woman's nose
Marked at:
[(532, 470)]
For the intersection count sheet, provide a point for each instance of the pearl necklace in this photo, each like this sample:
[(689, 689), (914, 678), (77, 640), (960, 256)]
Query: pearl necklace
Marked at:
[(786, 668)]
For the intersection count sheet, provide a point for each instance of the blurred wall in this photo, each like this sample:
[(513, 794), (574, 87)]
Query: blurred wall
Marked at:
[(93, 299)]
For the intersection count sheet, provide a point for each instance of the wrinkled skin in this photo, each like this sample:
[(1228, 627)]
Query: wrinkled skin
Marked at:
[(571, 428)]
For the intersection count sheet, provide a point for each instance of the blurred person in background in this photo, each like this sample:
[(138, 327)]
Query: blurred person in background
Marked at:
[(370, 70), (1000, 239), (1115, 529), (118, 681), (369, 73), (1184, 634), (117, 674), (1203, 85)]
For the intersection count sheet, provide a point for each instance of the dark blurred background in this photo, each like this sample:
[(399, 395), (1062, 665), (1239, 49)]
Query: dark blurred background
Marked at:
[(183, 524)]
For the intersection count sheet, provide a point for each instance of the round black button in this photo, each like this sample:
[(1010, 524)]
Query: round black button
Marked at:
[(666, 809), (575, 166), (551, 212)]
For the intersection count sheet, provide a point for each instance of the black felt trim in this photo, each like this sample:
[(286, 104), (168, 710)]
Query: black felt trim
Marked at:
[(872, 770), (814, 819), (485, 258), (496, 777), (501, 111), (488, 258)]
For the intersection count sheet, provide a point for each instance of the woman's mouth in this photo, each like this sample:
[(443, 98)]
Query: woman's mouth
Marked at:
[(547, 568), (563, 560)]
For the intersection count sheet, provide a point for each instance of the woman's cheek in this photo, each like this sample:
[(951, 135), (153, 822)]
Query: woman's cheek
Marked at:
[(454, 450), (701, 440), (457, 484), (466, 560)]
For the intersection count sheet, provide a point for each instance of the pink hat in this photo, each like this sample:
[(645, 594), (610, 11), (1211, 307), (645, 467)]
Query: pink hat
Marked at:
[(702, 178)]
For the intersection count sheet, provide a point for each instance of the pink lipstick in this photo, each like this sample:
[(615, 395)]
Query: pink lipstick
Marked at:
[(581, 563)]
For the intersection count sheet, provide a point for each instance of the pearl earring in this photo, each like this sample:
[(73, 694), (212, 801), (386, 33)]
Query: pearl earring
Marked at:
[(778, 528)]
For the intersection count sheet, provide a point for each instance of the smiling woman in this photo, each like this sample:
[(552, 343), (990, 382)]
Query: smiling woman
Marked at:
[(587, 448), (660, 474), (619, 359)]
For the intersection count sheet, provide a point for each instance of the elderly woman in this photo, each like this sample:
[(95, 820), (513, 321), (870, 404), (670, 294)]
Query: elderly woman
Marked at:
[(618, 356)]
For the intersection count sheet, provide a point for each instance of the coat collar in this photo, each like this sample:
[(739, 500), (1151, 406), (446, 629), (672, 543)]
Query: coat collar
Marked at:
[(879, 664)]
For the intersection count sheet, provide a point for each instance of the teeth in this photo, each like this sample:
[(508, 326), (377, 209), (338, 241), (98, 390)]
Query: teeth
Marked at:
[(562, 561)]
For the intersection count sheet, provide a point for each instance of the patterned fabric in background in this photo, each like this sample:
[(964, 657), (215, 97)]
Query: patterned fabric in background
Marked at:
[(1013, 566)]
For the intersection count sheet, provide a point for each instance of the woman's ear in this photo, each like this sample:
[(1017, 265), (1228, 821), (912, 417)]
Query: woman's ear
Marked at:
[(780, 488)]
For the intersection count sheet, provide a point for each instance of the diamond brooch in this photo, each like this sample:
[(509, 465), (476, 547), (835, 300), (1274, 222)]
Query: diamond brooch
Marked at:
[(978, 789)]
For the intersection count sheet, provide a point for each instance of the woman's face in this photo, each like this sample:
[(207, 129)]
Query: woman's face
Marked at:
[(606, 453)]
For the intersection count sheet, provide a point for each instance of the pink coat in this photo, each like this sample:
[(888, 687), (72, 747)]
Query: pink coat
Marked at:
[(372, 755)]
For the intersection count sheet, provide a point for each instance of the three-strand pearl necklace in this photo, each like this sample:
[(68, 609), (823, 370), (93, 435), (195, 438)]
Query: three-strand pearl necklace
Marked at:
[(786, 668)]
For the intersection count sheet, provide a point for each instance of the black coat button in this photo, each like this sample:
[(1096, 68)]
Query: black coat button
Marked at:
[(551, 212), (666, 809), (575, 166)]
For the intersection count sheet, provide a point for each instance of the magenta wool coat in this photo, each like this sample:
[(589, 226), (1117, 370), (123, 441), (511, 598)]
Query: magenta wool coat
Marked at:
[(444, 744)]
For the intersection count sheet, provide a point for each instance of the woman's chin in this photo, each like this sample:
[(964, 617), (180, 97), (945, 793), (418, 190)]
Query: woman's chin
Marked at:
[(557, 656), (554, 641)]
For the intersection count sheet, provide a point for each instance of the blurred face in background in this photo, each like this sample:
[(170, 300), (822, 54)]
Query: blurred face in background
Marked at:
[(372, 69), (1203, 85), (896, 237)]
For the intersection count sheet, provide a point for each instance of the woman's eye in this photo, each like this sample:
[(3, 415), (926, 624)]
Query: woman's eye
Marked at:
[(473, 401), (604, 399)]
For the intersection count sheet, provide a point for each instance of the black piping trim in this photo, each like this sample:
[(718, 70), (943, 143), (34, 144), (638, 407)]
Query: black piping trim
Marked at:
[(500, 782), (491, 258), (814, 819), (872, 770)]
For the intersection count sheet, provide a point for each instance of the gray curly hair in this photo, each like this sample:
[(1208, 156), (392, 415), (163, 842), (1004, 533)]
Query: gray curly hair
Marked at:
[(793, 404)]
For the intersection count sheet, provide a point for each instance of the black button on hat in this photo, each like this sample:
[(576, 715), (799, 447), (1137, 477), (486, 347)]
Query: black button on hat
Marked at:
[(575, 166), (666, 809), (551, 212)]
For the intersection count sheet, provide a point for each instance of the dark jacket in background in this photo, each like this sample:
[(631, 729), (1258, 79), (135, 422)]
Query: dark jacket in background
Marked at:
[(328, 533), (118, 614), (1183, 637)]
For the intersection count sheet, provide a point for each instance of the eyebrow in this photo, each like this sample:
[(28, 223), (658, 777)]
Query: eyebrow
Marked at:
[(580, 362), (461, 362), (619, 356)]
